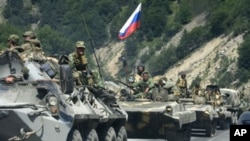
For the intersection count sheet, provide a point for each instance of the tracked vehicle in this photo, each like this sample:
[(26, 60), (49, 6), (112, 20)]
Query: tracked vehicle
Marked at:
[(162, 119), (38, 107)]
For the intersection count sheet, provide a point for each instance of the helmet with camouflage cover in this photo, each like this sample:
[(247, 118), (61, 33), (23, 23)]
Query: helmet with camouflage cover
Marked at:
[(30, 34), (80, 44), (14, 39)]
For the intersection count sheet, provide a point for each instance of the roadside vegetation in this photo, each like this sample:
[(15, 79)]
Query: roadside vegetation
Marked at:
[(59, 23)]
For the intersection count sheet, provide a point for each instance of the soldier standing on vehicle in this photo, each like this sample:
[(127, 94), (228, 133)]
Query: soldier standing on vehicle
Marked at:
[(144, 86), (182, 85)]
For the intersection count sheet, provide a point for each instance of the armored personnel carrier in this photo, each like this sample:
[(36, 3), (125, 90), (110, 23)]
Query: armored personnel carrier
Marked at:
[(206, 117), (228, 108), (162, 119), (35, 106)]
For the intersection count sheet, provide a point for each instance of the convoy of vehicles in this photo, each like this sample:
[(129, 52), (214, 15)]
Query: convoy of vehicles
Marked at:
[(39, 107)]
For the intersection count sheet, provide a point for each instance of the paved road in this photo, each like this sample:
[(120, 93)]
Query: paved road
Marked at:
[(222, 135)]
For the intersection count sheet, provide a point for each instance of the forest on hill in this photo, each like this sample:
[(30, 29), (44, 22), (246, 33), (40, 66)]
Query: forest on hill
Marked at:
[(60, 23)]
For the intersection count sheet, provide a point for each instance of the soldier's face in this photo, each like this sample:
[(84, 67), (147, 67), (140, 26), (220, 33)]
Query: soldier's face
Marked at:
[(80, 51), (145, 77), (140, 69)]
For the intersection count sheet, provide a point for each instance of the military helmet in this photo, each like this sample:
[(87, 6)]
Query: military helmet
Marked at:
[(13, 38), (30, 34), (140, 65), (80, 44)]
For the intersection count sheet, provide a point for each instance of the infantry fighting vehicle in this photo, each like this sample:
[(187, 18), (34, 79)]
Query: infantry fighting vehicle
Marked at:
[(37, 107), (149, 119), (212, 112), (206, 116)]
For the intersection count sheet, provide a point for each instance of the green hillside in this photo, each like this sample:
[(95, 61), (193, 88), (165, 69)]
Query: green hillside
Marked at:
[(59, 23)]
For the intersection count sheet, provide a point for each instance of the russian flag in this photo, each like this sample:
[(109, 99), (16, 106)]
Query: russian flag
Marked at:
[(131, 24)]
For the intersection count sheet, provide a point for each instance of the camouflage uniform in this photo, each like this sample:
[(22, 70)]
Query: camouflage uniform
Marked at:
[(198, 91), (32, 47), (144, 87), (214, 97), (198, 94), (182, 86), (28, 45), (138, 75), (81, 73), (13, 43)]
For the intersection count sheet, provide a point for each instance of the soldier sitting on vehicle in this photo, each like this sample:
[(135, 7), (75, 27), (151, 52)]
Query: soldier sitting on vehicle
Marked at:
[(79, 64), (214, 97), (144, 87), (198, 94)]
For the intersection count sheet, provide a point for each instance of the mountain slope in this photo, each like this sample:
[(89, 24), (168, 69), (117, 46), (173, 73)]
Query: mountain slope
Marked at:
[(203, 62)]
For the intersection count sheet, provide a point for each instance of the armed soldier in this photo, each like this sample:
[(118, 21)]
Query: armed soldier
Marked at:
[(79, 64), (144, 86), (182, 85)]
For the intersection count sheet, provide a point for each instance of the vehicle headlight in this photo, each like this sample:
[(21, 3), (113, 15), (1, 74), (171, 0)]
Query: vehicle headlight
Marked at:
[(52, 100), (207, 111), (169, 109)]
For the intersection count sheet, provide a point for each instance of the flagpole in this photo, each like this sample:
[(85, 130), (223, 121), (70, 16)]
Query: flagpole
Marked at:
[(131, 25)]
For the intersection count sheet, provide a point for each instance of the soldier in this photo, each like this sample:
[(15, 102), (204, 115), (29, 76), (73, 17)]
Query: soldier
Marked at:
[(13, 41), (138, 75), (32, 47), (198, 94), (144, 86), (28, 37), (197, 91), (182, 85), (214, 97), (79, 64)]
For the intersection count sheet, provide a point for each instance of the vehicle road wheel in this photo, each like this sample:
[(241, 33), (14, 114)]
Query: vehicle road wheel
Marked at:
[(211, 129), (122, 134), (74, 135), (108, 134), (91, 136)]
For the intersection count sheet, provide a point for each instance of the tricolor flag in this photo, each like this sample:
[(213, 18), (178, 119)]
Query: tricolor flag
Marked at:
[(131, 24)]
